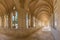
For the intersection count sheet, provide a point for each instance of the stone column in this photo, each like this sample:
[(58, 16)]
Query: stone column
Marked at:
[(31, 20), (2, 21), (5, 21), (21, 15), (22, 19), (26, 8), (9, 20)]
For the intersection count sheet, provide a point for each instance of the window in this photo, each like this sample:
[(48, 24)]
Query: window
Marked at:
[(15, 20)]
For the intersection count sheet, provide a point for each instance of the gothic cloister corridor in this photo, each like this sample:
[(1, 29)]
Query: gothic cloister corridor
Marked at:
[(29, 19)]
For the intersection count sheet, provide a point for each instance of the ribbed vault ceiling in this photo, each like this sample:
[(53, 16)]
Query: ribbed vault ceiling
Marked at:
[(36, 7), (6, 6)]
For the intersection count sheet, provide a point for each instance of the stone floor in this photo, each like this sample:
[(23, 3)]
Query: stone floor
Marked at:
[(39, 35), (56, 34)]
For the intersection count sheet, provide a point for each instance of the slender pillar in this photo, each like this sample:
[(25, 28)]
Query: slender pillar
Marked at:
[(26, 7), (31, 20), (29, 16), (2, 21), (5, 21)]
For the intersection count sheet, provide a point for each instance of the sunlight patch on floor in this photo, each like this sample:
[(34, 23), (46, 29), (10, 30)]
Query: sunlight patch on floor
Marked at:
[(46, 28)]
